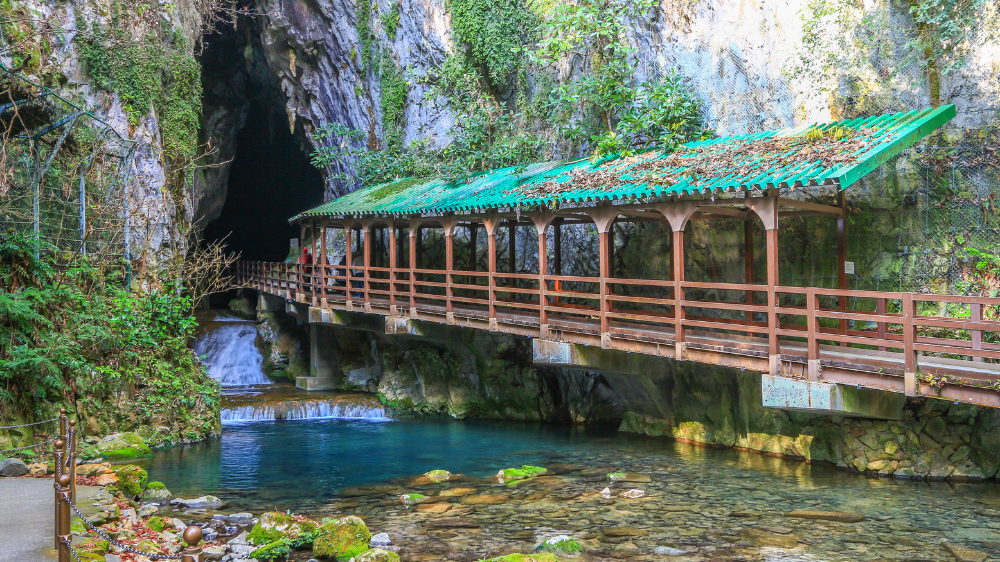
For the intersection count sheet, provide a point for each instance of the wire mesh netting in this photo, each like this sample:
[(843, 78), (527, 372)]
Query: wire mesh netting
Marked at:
[(62, 171)]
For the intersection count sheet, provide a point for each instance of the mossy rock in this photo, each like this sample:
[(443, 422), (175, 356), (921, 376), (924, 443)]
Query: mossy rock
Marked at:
[(77, 527), (342, 539), (156, 523), (526, 471), (543, 557), (99, 548), (131, 480), (272, 552), (148, 546), (275, 526), (156, 492), (438, 475), (410, 499), (377, 555), (126, 446), (563, 545)]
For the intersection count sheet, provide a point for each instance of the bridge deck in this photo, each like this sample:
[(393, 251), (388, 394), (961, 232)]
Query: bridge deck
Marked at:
[(870, 350)]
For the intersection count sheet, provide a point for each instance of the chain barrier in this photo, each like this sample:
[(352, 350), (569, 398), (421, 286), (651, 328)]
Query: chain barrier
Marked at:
[(28, 424), (118, 545), (72, 550), (28, 446)]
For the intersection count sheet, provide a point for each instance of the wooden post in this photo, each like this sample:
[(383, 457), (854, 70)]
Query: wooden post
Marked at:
[(366, 226), (748, 271), (492, 223), (767, 209), (323, 265), (842, 281), (449, 224), (604, 217), (909, 341), (63, 534), (299, 295), (542, 221), (678, 275), (392, 267), (881, 310), (473, 230), (812, 338), (414, 234), (315, 260), (348, 259), (976, 315), (511, 243)]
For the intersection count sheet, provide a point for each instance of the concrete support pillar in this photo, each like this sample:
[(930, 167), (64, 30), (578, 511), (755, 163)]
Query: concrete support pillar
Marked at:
[(322, 359)]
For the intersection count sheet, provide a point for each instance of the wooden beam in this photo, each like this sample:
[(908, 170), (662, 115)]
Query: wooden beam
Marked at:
[(815, 207)]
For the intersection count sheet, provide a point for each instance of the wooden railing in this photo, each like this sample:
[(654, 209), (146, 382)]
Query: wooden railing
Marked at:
[(890, 333)]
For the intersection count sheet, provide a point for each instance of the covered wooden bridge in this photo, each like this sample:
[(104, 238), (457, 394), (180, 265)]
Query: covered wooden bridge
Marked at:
[(917, 344)]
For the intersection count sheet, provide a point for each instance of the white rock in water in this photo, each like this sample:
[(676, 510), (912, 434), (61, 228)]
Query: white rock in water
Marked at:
[(606, 493), (632, 494), (381, 539), (669, 551)]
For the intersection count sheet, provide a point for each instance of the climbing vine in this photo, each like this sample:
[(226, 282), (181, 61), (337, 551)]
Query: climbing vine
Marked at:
[(494, 32)]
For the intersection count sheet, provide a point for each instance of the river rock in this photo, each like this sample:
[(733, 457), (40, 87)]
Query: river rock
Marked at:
[(453, 523), (203, 502), (563, 545), (274, 526), (667, 551), (485, 499), (131, 480), (526, 471), (342, 539), (761, 537), (433, 507), (629, 477), (240, 519), (381, 539), (837, 516), (156, 492), (107, 480), (376, 555), (38, 469), (457, 492), (632, 494), (12, 468), (213, 552), (438, 475), (411, 499), (624, 531), (964, 554), (94, 469)]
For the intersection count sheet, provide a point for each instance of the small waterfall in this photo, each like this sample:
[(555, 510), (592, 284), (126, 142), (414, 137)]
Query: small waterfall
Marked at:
[(227, 345), (341, 407)]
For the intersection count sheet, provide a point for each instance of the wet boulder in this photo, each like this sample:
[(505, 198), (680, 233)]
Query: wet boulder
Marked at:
[(123, 446), (274, 526), (203, 502), (156, 492), (131, 480), (342, 539), (376, 555)]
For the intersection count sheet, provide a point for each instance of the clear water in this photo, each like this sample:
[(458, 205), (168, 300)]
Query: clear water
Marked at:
[(712, 504), (226, 344)]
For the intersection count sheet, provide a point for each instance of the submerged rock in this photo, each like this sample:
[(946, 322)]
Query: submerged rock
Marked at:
[(411, 499), (964, 554), (438, 475), (629, 477), (203, 502), (838, 516), (632, 494), (624, 531), (564, 545), (526, 471), (376, 555), (342, 539)]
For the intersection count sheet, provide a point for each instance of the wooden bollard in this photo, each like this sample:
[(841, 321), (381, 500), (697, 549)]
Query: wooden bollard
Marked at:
[(192, 536)]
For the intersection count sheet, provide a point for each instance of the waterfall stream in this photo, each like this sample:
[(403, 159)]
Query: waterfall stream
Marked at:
[(226, 345)]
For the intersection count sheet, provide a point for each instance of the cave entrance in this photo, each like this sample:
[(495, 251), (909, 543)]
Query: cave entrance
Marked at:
[(269, 176)]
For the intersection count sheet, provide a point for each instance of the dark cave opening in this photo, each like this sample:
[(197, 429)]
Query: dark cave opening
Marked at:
[(270, 180), (270, 177)]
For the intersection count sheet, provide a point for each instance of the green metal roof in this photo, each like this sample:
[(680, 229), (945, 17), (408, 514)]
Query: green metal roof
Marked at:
[(838, 153)]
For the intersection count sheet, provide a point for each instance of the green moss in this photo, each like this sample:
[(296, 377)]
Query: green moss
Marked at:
[(526, 471), (561, 544), (543, 557), (274, 526), (156, 486), (131, 480), (272, 552), (494, 30), (342, 539), (156, 523)]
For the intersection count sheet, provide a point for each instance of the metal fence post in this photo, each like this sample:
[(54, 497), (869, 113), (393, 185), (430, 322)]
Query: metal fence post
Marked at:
[(192, 536), (63, 536)]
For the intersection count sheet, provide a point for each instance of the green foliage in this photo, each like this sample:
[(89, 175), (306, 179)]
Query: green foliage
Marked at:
[(273, 552), (981, 271), (494, 32), (390, 21), (364, 28), (156, 73), (76, 337), (844, 39), (394, 92), (601, 107)]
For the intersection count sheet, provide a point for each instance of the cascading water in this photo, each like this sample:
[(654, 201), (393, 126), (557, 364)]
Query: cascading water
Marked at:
[(226, 344), (349, 407), (228, 351)]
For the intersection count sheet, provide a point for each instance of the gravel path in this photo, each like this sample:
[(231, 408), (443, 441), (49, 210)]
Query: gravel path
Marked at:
[(27, 518)]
